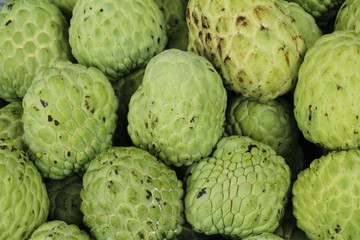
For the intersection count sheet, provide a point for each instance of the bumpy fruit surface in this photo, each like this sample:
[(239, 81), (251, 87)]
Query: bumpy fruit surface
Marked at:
[(318, 8), (255, 45), (239, 191), (59, 230), (348, 16), (11, 125), (64, 195), (33, 33), (326, 97), (129, 194), (326, 196), (116, 36), (24, 203), (178, 112), (69, 117), (305, 22), (264, 236)]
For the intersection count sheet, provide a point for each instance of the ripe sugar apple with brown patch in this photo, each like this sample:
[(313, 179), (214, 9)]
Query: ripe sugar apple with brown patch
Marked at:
[(58, 230), (11, 125), (239, 191), (348, 16), (65, 201), (117, 37), (178, 111), (326, 96), (255, 45), (33, 34), (24, 203), (318, 8), (129, 194), (326, 196), (69, 117)]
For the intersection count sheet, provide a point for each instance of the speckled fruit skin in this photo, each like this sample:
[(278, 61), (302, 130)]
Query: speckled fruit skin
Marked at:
[(33, 34), (11, 125), (239, 191), (116, 36), (318, 8), (348, 16), (254, 44), (59, 230), (129, 194), (178, 112), (24, 203), (326, 97), (69, 117), (326, 196)]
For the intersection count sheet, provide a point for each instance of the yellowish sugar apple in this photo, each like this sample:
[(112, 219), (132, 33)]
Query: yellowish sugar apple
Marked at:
[(348, 16)]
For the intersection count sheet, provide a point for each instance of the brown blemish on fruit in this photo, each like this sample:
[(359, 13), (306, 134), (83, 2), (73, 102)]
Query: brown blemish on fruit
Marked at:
[(287, 58), (43, 103), (50, 118), (310, 112), (56, 122), (241, 20), (8, 22), (201, 193)]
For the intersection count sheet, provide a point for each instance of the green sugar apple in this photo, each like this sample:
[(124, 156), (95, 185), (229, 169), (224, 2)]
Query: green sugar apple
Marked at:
[(66, 6), (319, 8), (69, 117), (348, 16), (24, 203), (129, 194), (326, 97), (306, 23), (264, 236), (239, 191), (326, 196), (117, 37), (11, 125), (33, 34), (65, 201), (178, 37), (58, 230), (178, 111), (173, 11), (255, 45)]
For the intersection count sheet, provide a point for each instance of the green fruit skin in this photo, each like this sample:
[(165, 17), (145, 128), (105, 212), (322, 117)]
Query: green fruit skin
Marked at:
[(24, 203), (326, 99), (33, 34), (347, 17), (318, 8), (59, 230), (326, 196), (69, 117), (129, 194), (241, 190), (178, 111), (117, 37)]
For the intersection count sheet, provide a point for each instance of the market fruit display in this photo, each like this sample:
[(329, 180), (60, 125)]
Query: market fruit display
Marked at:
[(326, 96), (239, 191), (69, 117), (129, 194), (238, 36), (178, 111), (326, 196), (33, 33), (24, 203), (106, 34), (58, 230), (179, 119)]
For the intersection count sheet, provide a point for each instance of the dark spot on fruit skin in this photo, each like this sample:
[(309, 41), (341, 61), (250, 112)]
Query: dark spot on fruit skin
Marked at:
[(8, 22), (251, 146), (148, 195), (262, 28), (50, 118), (10, 6), (204, 22), (68, 154), (241, 20), (101, 10), (196, 20), (201, 193), (43, 103), (208, 37), (337, 229), (338, 87), (56, 122), (287, 58), (310, 112)]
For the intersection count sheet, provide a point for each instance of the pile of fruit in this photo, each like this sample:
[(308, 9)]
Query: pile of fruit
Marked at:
[(180, 119)]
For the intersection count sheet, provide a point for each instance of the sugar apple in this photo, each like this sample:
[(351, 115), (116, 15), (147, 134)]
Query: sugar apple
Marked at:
[(24, 203), (255, 45), (239, 191), (306, 23), (348, 16), (69, 117), (33, 34), (129, 194), (116, 36), (65, 201), (326, 96), (318, 8), (178, 37), (326, 196), (178, 111), (264, 236), (11, 125), (58, 230), (66, 6)]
